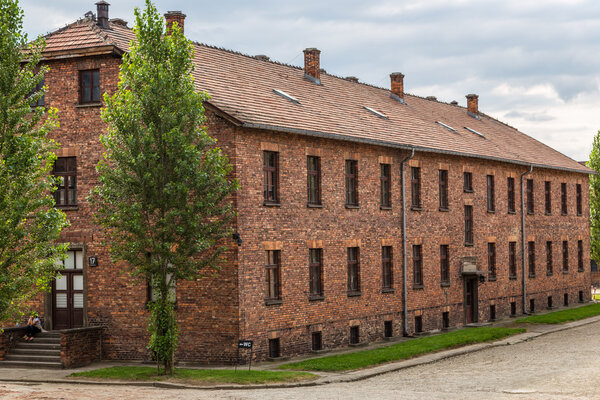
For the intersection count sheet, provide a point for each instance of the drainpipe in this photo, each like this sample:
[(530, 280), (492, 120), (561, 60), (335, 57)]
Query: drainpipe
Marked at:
[(523, 237), (404, 289)]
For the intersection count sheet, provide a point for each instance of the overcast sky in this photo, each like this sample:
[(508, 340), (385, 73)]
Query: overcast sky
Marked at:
[(534, 64)]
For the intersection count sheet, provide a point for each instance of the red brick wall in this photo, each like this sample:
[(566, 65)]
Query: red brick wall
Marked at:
[(81, 346)]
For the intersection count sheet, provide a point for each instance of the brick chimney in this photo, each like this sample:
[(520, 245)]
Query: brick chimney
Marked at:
[(312, 67), (397, 86), (102, 13), (174, 16), (473, 105)]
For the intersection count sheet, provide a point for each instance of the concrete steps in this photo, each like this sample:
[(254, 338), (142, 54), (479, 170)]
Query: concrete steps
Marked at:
[(42, 352)]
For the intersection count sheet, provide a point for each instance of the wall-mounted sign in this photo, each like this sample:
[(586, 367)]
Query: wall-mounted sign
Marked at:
[(245, 344), (93, 261)]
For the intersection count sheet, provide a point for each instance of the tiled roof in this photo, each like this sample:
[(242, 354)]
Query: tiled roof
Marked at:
[(243, 87)]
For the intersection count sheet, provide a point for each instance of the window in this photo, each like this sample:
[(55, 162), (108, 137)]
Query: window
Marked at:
[(443, 183), (531, 249), (354, 335), (152, 292), (578, 198), (565, 251), (315, 267), (531, 305), (444, 264), (388, 329), (549, 301), (512, 260), (418, 324), (386, 262), (89, 86), (511, 195), (513, 308), (445, 320), (468, 182), (581, 296), (352, 183), (491, 201), (386, 182), (271, 171), (580, 256), (492, 312), (530, 202), (313, 179), (353, 270), (418, 265), (549, 266), (563, 198), (274, 348), (41, 101), (317, 341), (548, 197), (492, 261), (566, 299), (65, 169), (273, 275), (468, 225), (415, 185)]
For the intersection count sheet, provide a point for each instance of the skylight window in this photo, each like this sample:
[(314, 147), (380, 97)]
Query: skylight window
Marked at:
[(379, 114), (287, 96), (475, 132), (451, 129)]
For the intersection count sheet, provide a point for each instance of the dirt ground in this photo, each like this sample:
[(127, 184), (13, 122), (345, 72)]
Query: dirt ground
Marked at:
[(562, 365)]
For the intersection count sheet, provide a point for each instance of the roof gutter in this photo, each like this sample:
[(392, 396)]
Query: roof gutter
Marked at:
[(523, 237), (405, 147), (404, 258)]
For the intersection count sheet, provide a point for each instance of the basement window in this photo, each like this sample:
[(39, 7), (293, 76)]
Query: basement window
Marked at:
[(451, 129), (379, 114), (287, 96), (474, 131)]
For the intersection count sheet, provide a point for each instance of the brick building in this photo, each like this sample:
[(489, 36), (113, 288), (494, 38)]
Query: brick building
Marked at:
[(363, 212)]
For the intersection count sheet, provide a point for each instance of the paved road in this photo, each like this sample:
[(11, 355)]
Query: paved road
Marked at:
[(562, 365)]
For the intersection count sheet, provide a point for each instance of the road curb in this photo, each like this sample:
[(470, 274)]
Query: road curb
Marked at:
[(343, 377)]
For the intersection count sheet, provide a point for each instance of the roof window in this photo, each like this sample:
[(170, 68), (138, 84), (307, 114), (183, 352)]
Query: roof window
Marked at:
[(379, 114), (475, 132), (451, 129), (287, 96)]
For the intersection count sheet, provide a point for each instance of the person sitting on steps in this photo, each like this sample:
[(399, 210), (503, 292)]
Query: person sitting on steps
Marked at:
[(34, 325)]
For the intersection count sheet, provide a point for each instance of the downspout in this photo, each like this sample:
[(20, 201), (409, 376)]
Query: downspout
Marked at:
[(523, 237), (404, 289)]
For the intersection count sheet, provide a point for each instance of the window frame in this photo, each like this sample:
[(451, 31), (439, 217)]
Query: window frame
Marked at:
[(468, 182), (530, 199), (443, 189), (548, 197), (549, 258), (385, 181), (415, 188), (512, 260), (469, 236), (273, 272), (579, 199), (351, 174), (315, 274), (270, 178), (511, 207), (580, 256), (387, 268), (67, 177), (492, 272), (417, 265), (313, 181), (565, 256), (564, 205), (445, 265), (491, 193), (94, 73), (353, 263), (531, 258)]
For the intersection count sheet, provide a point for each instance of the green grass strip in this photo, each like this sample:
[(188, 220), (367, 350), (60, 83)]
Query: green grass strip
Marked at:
[(404, 350), (560, 317), (210, 376)]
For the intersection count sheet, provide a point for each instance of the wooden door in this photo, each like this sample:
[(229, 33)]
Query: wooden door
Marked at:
[(470, 300), (67, 293)]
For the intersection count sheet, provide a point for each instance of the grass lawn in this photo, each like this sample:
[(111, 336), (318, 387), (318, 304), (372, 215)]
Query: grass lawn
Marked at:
[(559, 317), (404, 350), (210, 376)]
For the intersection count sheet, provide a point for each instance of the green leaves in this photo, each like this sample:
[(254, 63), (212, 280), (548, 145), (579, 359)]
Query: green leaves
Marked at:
[(164, 185), (29, 225), (594, 163)]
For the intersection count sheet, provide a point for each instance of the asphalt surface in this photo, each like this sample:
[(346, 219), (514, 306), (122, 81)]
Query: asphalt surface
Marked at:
[(560, 365)]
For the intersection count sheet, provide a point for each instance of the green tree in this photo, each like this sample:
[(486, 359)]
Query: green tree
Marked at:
[(164, 192), (594, 163), (29, 224)]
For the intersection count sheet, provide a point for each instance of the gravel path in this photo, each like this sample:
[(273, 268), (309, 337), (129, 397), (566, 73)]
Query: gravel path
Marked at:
[(562, 365)]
